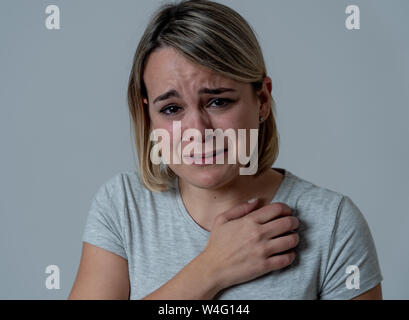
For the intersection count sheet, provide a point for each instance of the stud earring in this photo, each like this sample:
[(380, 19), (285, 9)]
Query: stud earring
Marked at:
[(260, 119)]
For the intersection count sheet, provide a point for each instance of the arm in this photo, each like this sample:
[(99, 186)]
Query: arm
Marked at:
[(102, 275), (351, 244), (373, 294), (194, 282)]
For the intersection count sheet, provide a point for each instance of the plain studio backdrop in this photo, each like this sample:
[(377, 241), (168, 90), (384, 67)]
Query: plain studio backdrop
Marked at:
[(342, 112)]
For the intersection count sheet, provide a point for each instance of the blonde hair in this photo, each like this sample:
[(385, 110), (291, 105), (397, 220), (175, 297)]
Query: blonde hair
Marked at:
[(209, 34)]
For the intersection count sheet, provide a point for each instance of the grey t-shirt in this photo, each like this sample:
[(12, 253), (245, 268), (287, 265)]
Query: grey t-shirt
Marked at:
[(156, 235)]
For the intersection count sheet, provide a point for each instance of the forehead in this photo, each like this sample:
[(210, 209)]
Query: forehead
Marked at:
[(167, 69)]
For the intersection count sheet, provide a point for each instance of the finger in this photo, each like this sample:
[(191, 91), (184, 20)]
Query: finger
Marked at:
[(271, 211), (238, 212), (280, 261), (279, 226), (282, 244)]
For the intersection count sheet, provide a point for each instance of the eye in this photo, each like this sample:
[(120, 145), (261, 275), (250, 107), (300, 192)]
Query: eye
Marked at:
[(221, 102), (169, 110)]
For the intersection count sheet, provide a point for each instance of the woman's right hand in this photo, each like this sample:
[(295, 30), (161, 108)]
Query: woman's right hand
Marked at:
[(246, 242)]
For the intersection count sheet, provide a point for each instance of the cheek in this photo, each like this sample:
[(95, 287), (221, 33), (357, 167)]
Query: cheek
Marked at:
[(241, 118), (244, 117), (159, 122), (174, 132)]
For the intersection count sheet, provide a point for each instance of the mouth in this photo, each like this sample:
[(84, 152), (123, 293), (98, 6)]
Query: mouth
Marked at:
[(208, 155)]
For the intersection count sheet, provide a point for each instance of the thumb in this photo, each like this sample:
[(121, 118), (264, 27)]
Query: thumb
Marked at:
[(241, 210)]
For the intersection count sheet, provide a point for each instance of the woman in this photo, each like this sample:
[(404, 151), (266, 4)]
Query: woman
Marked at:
[(204, 230)]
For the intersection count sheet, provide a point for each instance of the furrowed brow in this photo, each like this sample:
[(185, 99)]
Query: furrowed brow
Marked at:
[(215, 91), (174, 93), (166, 95)]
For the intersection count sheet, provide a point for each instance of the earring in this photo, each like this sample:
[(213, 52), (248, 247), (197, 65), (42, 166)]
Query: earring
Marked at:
[(260, 119)]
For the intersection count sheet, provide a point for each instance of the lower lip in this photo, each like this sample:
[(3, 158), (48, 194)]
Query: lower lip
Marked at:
[(203, 163)]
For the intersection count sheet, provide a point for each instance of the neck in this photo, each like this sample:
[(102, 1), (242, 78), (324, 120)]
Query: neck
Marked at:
[(204, 204)]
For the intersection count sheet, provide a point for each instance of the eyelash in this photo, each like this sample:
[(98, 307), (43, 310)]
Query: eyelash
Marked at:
[(166, 108)]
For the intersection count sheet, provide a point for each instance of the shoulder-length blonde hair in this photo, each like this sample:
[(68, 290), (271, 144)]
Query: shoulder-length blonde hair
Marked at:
[(209, 34)]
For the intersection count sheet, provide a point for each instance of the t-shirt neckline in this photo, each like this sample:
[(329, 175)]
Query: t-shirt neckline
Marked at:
[(279, 196)]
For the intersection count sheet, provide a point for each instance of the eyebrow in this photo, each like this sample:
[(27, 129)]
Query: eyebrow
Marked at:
[(174, 93)]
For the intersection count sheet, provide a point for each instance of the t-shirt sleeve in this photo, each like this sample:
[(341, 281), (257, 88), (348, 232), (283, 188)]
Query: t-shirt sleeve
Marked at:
[(103, 225), (351, 245)]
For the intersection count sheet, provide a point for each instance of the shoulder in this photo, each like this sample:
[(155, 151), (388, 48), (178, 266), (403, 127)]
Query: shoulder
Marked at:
[(125, 183), (322, 206), (126, 192), (121, 180), (311, 196)]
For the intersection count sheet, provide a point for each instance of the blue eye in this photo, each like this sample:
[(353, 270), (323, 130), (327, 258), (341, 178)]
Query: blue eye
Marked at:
[(169, 110)]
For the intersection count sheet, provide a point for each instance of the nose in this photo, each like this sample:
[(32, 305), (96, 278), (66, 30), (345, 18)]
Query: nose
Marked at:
[(199, 122)]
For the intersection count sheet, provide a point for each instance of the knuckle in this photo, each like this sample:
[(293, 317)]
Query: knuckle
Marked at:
[(250, 217), (274, 264), (289, 258), (255, 235), (293, 240), (277, 206), (289, 241), (292, 255), (256, 231), (281, 207), (287, 223), (261, 251), (297, 238), (292, 223), (283, 260), (266, 264), (286, 259)]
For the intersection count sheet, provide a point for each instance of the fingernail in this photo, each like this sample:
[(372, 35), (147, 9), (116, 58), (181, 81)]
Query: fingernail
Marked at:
[(252, 200)]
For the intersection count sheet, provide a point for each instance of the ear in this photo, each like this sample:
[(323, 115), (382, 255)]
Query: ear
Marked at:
[(264, 97)]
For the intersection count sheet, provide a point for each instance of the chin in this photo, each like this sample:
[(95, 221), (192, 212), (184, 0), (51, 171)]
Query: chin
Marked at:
[(208, 177)]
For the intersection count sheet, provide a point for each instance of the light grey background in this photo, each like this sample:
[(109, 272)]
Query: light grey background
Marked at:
[(342, 111)]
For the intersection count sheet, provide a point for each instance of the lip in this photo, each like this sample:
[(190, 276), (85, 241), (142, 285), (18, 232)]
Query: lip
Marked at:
[(210, 154), (207, 155), (202, 157)]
